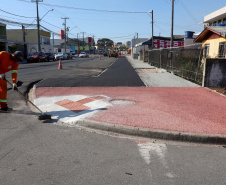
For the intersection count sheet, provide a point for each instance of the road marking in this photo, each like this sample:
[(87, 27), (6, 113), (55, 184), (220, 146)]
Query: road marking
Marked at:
[(70, 109), (152, 149)]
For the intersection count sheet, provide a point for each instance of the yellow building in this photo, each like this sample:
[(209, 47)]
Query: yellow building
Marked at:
[(31, 35), (213, 40)]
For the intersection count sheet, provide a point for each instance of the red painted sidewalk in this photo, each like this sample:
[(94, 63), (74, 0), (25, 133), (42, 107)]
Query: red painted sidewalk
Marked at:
[(181, 109)]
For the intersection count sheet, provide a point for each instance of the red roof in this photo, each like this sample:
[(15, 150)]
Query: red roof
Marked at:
[(211, 33)]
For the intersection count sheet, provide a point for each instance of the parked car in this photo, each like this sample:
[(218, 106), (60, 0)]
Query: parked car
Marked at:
[(69, 56), (105, 53), (83, 55), (50, 56), (36, 57), (60, 56)]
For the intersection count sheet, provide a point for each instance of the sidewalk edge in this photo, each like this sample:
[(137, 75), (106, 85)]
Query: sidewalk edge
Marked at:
[(157, 134)]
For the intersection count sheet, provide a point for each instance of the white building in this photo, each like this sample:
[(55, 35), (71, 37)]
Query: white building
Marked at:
[(215, 18)]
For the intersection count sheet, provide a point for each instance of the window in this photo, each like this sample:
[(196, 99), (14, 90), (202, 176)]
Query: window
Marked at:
[(45, 40), (224, 21), (219, 21), (222, 48), (206, 50), (215, 23)]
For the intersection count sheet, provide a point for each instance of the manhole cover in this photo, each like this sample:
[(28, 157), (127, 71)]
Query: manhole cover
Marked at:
[(122, 102)]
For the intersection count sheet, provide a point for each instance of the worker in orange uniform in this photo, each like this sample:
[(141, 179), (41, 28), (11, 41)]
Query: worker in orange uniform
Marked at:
[(8, 62)]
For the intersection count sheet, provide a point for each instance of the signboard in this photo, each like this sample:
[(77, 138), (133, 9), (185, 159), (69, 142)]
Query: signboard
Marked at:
[(166, 43), (89, 39)]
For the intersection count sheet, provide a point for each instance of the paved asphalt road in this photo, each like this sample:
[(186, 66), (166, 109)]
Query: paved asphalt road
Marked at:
[(32, 152), (120, 73)]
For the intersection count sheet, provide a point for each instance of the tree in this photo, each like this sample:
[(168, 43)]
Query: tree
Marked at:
[(123, 47), (105, 43)]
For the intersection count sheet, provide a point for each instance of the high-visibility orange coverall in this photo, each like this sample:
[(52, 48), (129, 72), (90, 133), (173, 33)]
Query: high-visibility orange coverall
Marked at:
[(6, 65)]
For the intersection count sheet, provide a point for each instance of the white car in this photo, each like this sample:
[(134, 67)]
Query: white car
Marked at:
[(61, 56), (83, 55)]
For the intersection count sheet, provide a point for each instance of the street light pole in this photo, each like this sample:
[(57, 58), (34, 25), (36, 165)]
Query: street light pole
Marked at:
[(45, 14)]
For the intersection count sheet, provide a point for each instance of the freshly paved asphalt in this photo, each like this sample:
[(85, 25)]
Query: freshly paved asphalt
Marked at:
[(120, 73), (179, 113)]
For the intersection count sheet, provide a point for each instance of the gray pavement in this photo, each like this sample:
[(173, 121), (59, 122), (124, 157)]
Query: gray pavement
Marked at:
[(156, 77)]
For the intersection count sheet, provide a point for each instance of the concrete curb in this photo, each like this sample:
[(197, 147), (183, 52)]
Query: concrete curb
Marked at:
[(157, 134)]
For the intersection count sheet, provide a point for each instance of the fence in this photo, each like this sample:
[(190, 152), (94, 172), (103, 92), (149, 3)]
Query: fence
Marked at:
[(184, 62)]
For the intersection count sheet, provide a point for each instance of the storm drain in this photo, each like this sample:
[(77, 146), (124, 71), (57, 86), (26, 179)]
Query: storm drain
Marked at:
[(122, 102)]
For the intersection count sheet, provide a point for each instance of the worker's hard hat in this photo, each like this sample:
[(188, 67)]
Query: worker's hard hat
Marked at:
[(19, 55)]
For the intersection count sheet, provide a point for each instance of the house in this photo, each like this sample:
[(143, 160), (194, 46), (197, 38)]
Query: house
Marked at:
[(213, 41), (213, 37)]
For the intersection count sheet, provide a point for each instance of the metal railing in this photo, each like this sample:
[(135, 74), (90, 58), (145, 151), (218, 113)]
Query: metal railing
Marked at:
[(184, 62)]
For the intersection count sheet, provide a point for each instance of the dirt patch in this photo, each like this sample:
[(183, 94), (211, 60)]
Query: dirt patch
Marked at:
[(219, 90), (148, 70)]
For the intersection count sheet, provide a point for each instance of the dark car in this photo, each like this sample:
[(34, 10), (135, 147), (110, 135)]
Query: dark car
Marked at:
[(36, 57), (50, 56), (69, 56), (105, 53)]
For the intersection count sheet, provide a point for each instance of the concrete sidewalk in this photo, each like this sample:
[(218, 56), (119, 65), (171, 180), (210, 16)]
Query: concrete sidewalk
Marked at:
[(168, 108)]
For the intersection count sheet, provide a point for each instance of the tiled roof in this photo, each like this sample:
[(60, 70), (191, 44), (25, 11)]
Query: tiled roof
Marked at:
[(220, 29)]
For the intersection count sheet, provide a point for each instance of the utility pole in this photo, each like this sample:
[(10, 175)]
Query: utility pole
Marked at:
[(53, 43), (65, 34), (24, 40), (83, 40), (152, 29), (38, 25), (171, 43), (137, 35), (78, 44)]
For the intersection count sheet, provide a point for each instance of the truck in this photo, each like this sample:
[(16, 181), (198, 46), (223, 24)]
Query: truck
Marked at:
[(113, 52)]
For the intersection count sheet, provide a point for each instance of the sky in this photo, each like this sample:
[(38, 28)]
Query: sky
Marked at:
[(118, 20)]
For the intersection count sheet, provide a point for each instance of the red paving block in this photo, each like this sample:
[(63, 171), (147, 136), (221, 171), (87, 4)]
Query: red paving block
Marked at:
[(64, 102), (183, 109), (85, 100), (73, 106)]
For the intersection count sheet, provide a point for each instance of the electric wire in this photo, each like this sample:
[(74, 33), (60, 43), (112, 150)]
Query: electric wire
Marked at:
[(16, 14), (189, 13), (85, 9)]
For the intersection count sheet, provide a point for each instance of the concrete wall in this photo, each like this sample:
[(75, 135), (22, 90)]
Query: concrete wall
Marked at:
[(44, 48), (215, 75)]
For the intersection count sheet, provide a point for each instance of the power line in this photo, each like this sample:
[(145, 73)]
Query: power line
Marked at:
[(13, 23), (85, 9), (52, 24), (16, 14), (186, 9)]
